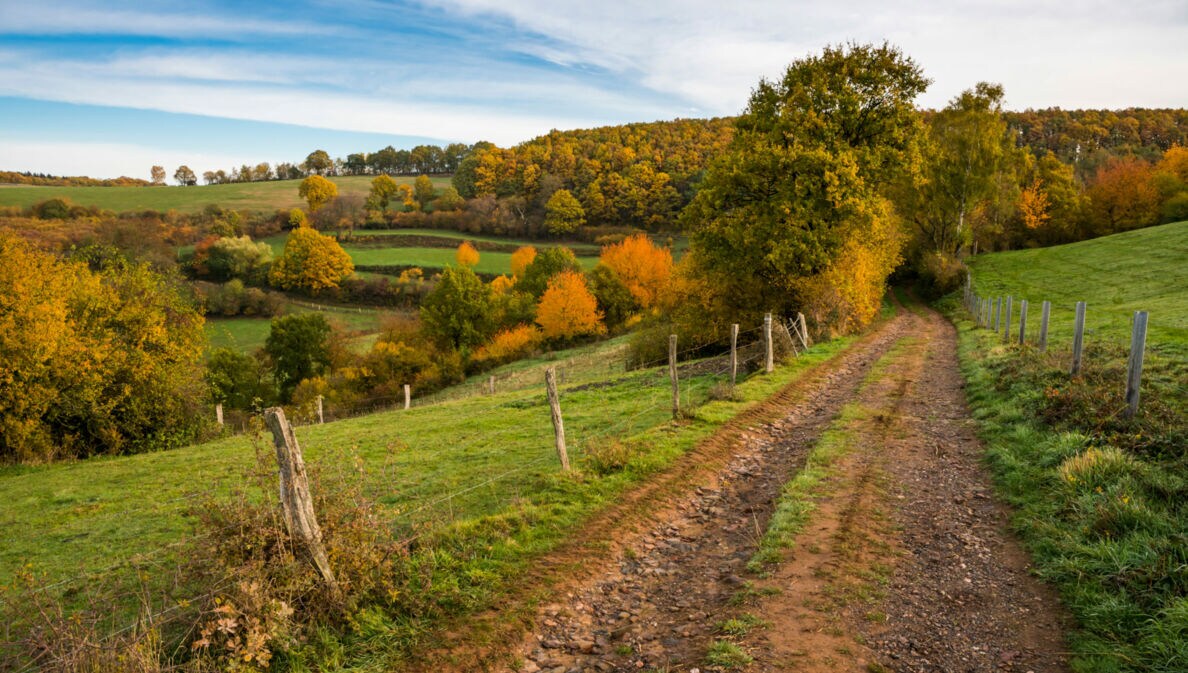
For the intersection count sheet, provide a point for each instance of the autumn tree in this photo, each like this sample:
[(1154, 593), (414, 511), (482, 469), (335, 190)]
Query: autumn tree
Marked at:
[(185, 177), (563, 213), (238, 257), (615, 301), (423, 191), (317, 191), (544, 266), (644, 267), (311, 261), (467, 255), (318, 162), (521, 259), (298, 348), (1122, 196), (448, 200), (1033, 206), (383, 188), (1171, 181), (94, 361), (803, 176), (457, 313), (158, 174), (567, 309)]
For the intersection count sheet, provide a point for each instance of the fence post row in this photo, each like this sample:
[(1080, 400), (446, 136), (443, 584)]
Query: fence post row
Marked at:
[(733, 355), (558, 423), (769, 352), (296, 504), (1134, 365), (1045, 314), (672, 374), (1078, 338), (1022, 322)]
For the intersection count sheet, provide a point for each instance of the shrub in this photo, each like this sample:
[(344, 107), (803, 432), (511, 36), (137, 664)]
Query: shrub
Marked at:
[(567, 309), (940, 274), (508, 345)]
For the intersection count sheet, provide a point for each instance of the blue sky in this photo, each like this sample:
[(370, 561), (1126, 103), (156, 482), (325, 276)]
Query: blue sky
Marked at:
[(112, 87)]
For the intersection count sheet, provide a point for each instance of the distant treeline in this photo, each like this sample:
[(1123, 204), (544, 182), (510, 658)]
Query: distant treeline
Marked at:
[(1087, 139), (46, 180)]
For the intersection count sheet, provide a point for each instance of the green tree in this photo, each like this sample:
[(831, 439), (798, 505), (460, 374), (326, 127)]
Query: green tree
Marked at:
[(240, 257), (449, 200), (546, 264), (968, 147), (238, 380), (311, 261), (615, 300), (383, 188), (298, 348), (803, 175), (458, 314), (318, 162), (563, 213), (317, 191), (423, 191)]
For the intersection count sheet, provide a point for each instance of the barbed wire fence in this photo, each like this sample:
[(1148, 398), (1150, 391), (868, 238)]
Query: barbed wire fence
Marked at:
[(698, 373)]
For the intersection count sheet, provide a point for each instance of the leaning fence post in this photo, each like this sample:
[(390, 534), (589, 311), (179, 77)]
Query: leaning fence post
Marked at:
[(407, 396), (296, 504), (321, 419), (768, 347), (558, 423), (1022, 322), (733, 355), (804, 335), (1134, 366), (1045, 313), (219, 414), (672, 375), (1078, 338)]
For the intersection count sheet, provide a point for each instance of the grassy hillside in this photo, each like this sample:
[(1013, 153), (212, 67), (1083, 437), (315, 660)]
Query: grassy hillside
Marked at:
[(264, 196), (1146, 269), (1099, 498)]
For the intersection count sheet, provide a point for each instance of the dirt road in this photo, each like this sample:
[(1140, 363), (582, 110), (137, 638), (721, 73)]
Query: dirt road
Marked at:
[(906, 564)]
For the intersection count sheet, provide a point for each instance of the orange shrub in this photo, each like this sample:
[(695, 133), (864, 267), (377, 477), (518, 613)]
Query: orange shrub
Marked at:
[(467, 255), (510, 344), (644, 267), (521, 259), (567, 308)]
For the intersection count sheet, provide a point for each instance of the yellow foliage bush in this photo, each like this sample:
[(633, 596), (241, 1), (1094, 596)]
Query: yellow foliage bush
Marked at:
[(644, 267), (510, 344), (467, 255), (567, 309), (521, 259), (311, 261)]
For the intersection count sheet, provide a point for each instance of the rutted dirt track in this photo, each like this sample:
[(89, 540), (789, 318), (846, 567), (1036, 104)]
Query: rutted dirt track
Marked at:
[(906, 564)]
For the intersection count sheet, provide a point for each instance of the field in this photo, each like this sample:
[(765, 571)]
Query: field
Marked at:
[(1146, 269), (248, 334), (261, 196), (1098, 497), (477, 475)]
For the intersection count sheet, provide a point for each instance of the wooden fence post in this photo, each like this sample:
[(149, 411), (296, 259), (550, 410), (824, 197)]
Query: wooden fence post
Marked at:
[(321, 419), (219, 414), (804, 335), (491, 385), (768, 346), (296, 503), (997, 312), (733, 355), (1006, 325), (1045, 314), (1022, 322), (1078, 338), (672, 375), (558, 423), (407, 396), (1134, 366)]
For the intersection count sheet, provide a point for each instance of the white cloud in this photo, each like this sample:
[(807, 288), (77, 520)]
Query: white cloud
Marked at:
[(108, 159), (50, 17)]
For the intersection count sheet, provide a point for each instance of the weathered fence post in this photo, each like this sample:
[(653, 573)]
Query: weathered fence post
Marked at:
[(1022, 322), (672, 375), (768, 346), (804, 335), (1078, 338), (491, 385), (407, 396), (1006, 325), (997, 312), (296, 504), (558, 424), (733, 355), (1045, 314), (219, 414), (1134, 366), (321, 418)]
